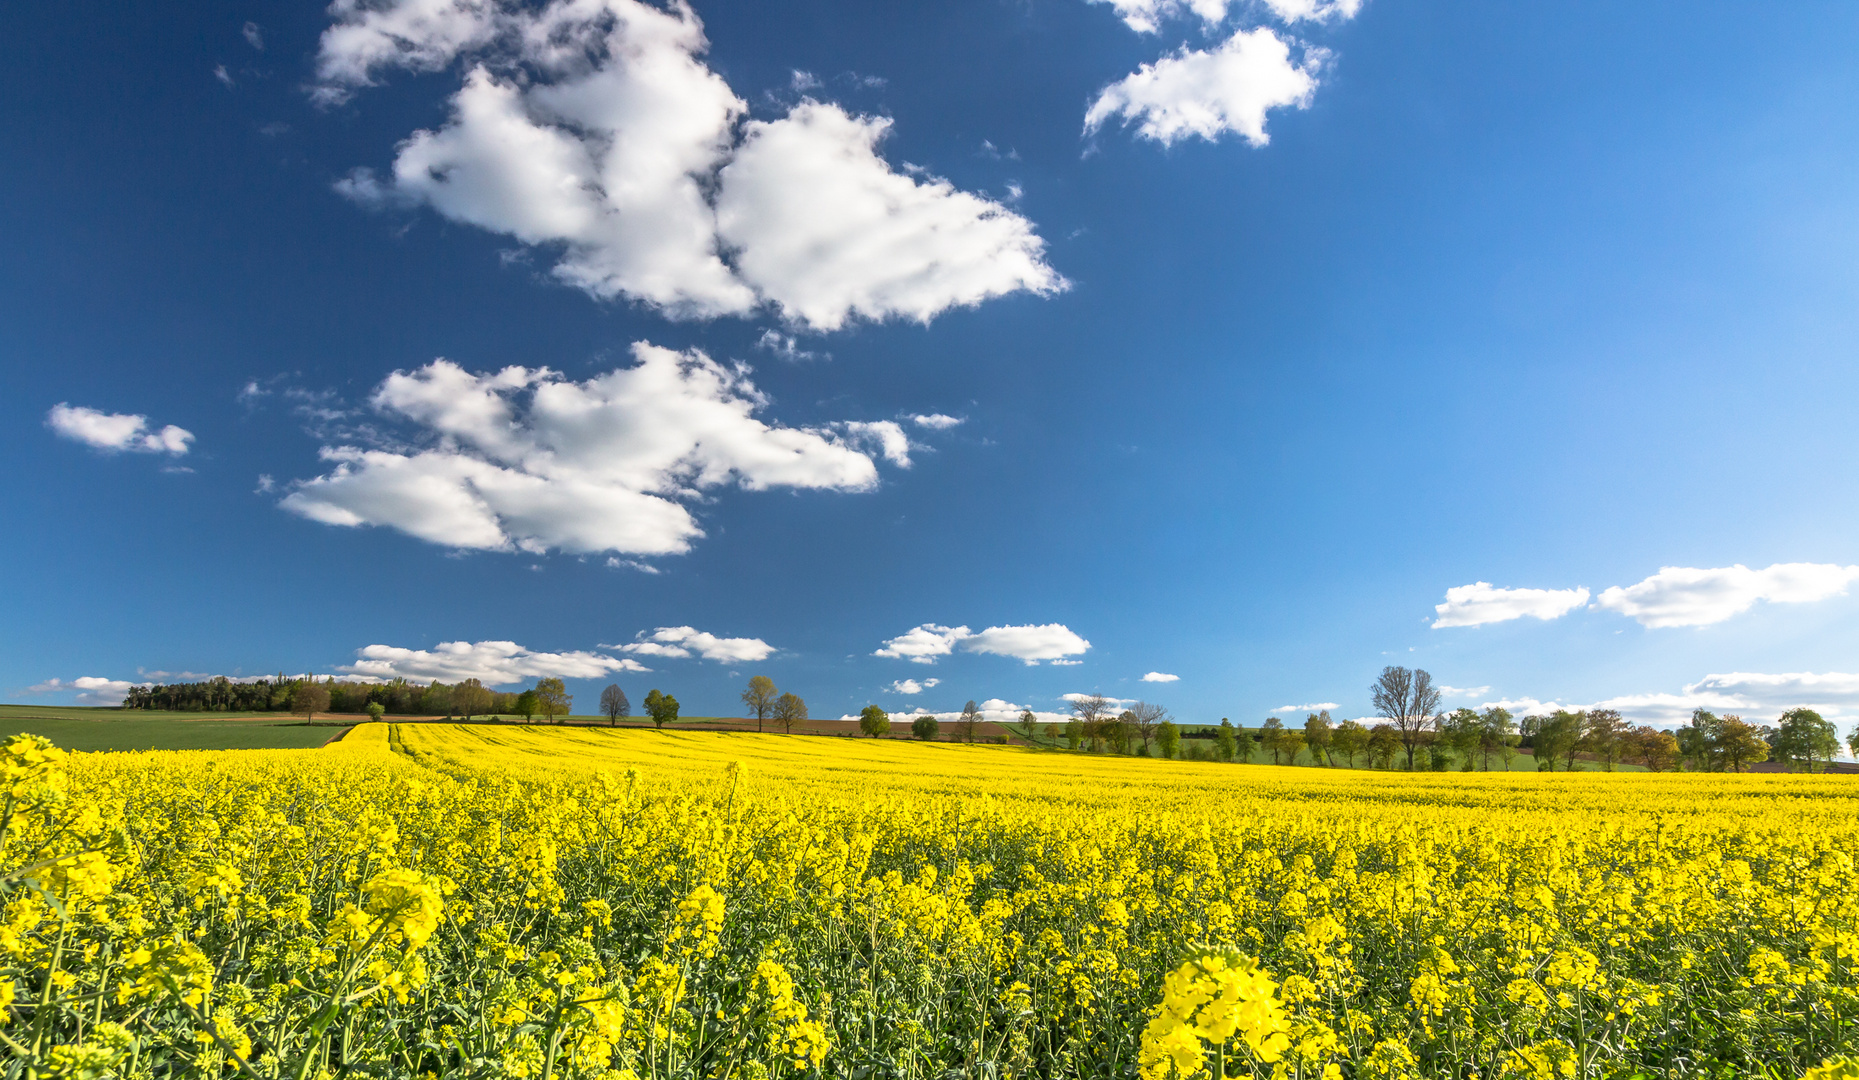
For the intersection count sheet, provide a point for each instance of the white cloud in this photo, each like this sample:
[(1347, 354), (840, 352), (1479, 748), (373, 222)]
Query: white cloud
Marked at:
[(787, 347), (911, 686), (1316, 706), (1686, 596), (528, 460), (935, 421), (1113, 702), (1481, 602), (91, 689), (885, 436), (254, 36), (1157, 676), (683, 641), (1049, 641), (1208, 93), (494, 663), (594, 125), (923, 644), (1146, 16), (116, 431), (1031, 644), (825, 231), (1292, 11), (1461, 691)]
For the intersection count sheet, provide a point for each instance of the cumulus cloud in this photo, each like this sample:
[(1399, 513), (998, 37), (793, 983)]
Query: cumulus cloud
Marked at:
[(525, 459), (1482, 602), (685, 641), (1207, 93), (117, 431), (1687, 596), (884, 436), (90, 689), (494, 663), (1157, 676), (911, 686), (1315, 706), (594, 127), (935, 421), (924, 644), (1461, 691), (993, 710), (1030, 644)]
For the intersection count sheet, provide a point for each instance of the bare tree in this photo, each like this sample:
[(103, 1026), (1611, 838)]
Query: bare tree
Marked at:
[(1145, 719), (1091, 711), (613, 702), (969, 723), (1410, 702), (760, 697)]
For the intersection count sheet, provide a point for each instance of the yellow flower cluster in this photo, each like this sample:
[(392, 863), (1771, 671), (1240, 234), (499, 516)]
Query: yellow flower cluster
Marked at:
[(1209, 999), (634, 905)]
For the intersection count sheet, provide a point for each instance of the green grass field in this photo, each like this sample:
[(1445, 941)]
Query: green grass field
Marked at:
[(114, 729)]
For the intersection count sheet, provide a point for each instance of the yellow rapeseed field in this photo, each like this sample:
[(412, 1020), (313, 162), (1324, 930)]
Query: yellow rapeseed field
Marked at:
[(504, 901)]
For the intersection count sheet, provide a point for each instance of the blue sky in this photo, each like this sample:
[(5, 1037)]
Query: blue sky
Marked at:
[(773, 332)]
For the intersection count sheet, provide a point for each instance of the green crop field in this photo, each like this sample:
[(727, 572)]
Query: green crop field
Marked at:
[(116, 729)]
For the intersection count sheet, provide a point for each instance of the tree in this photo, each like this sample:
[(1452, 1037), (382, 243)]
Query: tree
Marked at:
[(874, 721), (789, 710), (1318, 735), (527, 705), (662, 708), (1409, 700), (614, 704), (470, 698), (1144, 719), (1167, 738), (1497, 731), (1740, 744), (1604, 735), (969, 723), (1292, 743), (1074, 733), (375, 710), (1091, 709), (1029, 727), (1699, 740), (760, 698), (1272, 739), (1555, 736), (1383, 744), (1803, 737), (1117, 731), (1349, 739), (1460, 731), (309, 698), (1655, 749), (1852, 742), (553, 699), (1225, 740), (926, 726)]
